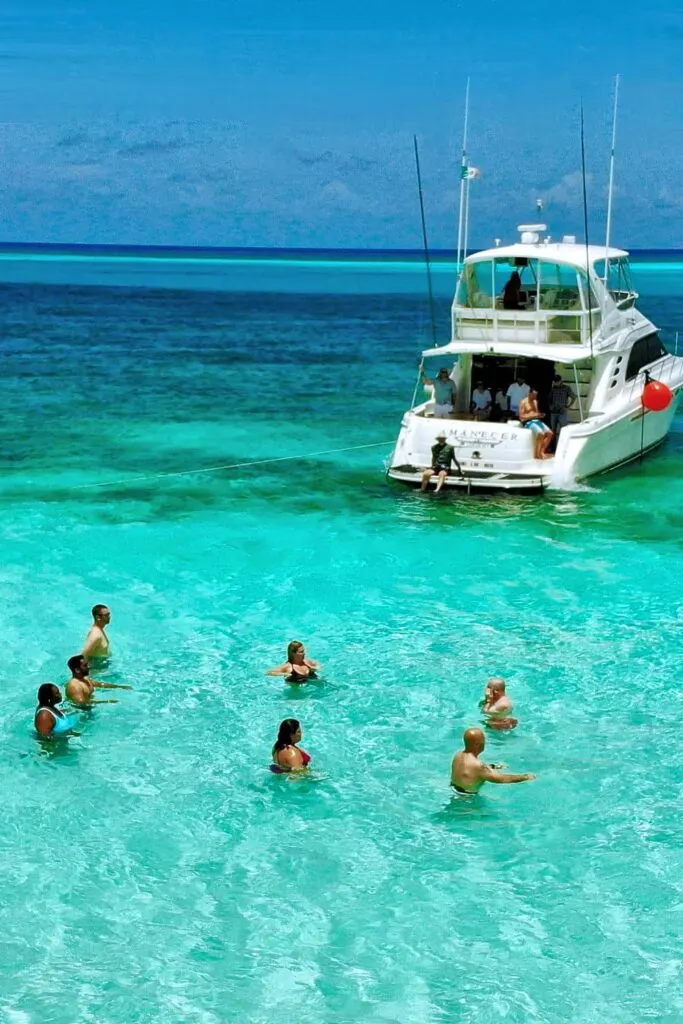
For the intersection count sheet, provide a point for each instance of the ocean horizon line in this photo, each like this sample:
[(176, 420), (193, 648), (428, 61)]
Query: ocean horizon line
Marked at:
[(140, 251)]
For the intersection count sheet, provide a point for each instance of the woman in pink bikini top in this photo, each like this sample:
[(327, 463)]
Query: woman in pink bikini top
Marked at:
[(287, 756)]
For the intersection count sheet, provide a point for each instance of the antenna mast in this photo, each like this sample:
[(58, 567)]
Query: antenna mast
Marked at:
[(610, 189), (589, 297), (424, 241), (463, 174)]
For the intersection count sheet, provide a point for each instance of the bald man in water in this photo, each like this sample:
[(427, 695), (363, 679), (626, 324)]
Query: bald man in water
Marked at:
[(468, 773), (497, 705)]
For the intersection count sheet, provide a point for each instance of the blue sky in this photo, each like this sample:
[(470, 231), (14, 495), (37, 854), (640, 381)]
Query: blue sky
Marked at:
[(262, 123)]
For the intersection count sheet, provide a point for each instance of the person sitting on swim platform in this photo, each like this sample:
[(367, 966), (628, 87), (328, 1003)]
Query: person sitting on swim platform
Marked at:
[(443, 455)]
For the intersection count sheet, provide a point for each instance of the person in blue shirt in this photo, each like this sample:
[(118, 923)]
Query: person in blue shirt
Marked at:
[(444, 392)]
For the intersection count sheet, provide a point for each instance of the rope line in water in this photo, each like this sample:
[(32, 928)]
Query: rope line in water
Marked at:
[(230, 465)]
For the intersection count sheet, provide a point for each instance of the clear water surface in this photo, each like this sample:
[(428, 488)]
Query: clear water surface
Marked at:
[(153, 870)]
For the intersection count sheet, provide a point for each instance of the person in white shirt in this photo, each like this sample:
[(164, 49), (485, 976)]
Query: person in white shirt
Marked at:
[(500, 405), (515, 394), (444, 392), (481, 402)]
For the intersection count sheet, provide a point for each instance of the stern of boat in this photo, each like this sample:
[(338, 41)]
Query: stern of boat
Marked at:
[(493, 456)]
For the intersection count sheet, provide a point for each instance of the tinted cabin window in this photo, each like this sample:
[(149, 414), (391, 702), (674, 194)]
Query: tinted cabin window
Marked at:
[(655, 348), (645, 351)]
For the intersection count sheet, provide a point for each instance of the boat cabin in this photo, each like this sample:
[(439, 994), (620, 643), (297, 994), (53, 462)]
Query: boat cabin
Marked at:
[(522, 315), (537, 309), (542, 292), (496, 374)]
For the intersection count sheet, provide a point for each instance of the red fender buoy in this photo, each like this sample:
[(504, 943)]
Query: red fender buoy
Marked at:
[(657, 396)]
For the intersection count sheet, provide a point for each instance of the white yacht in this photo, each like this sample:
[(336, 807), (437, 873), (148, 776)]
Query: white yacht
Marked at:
[(573, 314)]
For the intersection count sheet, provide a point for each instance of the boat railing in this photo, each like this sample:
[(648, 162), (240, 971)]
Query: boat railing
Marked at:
[(624, 299), (663, 369), (543, 326)]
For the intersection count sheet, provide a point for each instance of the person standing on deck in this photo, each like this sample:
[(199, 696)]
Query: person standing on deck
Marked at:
[(560, 400), (515, 393), (500, 407), (444, 392)]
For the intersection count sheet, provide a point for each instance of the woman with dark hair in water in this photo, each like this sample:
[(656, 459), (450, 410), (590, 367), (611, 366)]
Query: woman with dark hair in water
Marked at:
[(298, 668), (287, 756), (49, 719)]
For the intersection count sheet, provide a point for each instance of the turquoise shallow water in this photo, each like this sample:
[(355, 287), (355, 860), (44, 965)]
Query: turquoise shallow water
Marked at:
[(153, 870)]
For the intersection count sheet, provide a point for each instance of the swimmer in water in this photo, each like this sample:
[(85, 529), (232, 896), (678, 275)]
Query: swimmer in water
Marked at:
[(469, 773), (298, 668), (49, 720), (97, 642), (497, 706), (81, 687), (287, 756)]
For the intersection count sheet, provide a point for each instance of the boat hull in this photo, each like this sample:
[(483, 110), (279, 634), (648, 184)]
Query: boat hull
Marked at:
[(596, 448)]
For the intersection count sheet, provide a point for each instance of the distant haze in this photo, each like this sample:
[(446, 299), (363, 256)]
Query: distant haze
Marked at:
[(211, 123)]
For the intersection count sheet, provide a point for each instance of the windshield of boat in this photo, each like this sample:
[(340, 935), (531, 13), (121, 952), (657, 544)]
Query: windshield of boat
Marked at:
[(524, 284), (619, 281)]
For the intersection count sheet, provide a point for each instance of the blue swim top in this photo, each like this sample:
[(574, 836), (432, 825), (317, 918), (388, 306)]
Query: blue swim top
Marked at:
[(63, 723)]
